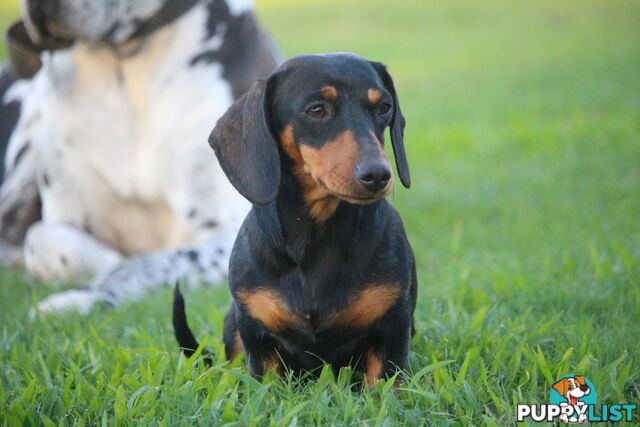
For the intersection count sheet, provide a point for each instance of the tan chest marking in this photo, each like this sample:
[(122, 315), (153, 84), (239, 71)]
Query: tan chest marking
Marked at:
[(370, 305), (269, 308)]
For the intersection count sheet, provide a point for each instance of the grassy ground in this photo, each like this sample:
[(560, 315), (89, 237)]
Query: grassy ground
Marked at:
[(524, 139)]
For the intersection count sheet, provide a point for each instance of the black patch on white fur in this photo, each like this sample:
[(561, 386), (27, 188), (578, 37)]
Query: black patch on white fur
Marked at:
[(23, 150), (210, 223), (244, 53), (9, 114), (192, 255)]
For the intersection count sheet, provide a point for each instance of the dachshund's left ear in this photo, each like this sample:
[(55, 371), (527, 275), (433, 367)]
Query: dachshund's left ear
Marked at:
[(396, 125), (245, 146)]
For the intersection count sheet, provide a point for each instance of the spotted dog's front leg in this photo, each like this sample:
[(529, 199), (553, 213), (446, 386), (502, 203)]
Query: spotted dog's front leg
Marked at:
[(19, 198), (139, 276), (136, 277), (59, 253), (129, 280)]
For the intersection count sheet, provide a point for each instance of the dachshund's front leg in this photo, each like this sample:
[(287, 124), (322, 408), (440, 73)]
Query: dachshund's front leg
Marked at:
[(389, 349)]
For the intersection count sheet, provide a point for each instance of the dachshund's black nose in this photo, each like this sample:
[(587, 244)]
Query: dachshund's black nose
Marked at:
[(373, 176)]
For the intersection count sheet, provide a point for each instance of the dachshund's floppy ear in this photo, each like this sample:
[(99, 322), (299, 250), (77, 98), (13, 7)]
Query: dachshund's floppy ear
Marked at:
[(246, 148), (396, 125)]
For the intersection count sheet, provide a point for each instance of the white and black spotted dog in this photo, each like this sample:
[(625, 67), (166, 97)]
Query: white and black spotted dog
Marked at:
[(108, 178)]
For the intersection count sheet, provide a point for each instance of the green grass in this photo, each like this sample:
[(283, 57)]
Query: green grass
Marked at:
[(524, 139)]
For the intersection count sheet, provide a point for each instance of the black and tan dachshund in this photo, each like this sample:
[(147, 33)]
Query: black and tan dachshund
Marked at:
[(321, 271)]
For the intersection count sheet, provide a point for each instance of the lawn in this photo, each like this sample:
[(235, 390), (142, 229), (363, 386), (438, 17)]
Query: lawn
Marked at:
[(524, 141)]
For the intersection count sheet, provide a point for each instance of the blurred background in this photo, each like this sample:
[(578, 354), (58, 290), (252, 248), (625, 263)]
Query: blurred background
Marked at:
[(523, 134), (522, 118)]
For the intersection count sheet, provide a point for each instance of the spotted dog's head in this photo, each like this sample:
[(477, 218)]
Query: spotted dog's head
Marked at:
[(572, 388), (322, 118), (108, 21)]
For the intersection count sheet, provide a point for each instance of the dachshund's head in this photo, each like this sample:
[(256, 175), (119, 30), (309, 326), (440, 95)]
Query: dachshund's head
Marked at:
[(321, 118)]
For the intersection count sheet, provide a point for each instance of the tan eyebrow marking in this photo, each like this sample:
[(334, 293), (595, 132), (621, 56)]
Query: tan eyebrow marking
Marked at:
[(329, 93), (374, 95)]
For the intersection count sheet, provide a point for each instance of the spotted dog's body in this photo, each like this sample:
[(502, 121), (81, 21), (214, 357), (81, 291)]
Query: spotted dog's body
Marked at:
[(111, 135), (322, 270)]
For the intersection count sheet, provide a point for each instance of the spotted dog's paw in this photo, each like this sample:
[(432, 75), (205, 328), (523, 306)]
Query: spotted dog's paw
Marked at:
[(128, 280), (136, 277), (80, 301)]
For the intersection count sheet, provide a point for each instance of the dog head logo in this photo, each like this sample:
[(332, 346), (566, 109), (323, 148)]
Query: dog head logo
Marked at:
[(573, 399), (572, 388), (574, 393)]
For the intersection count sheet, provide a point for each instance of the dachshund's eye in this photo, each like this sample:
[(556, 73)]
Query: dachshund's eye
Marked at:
[(384, 108), (316, 111)]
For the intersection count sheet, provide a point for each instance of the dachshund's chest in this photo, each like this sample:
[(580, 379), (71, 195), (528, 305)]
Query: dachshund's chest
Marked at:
[(308, 316)]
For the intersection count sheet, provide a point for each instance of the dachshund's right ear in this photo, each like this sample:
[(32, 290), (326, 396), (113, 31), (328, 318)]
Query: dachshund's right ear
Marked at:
[(397, 125), (246, 148)]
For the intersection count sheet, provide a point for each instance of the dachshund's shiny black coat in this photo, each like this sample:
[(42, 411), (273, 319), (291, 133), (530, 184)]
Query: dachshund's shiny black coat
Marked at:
[(321, 271)]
